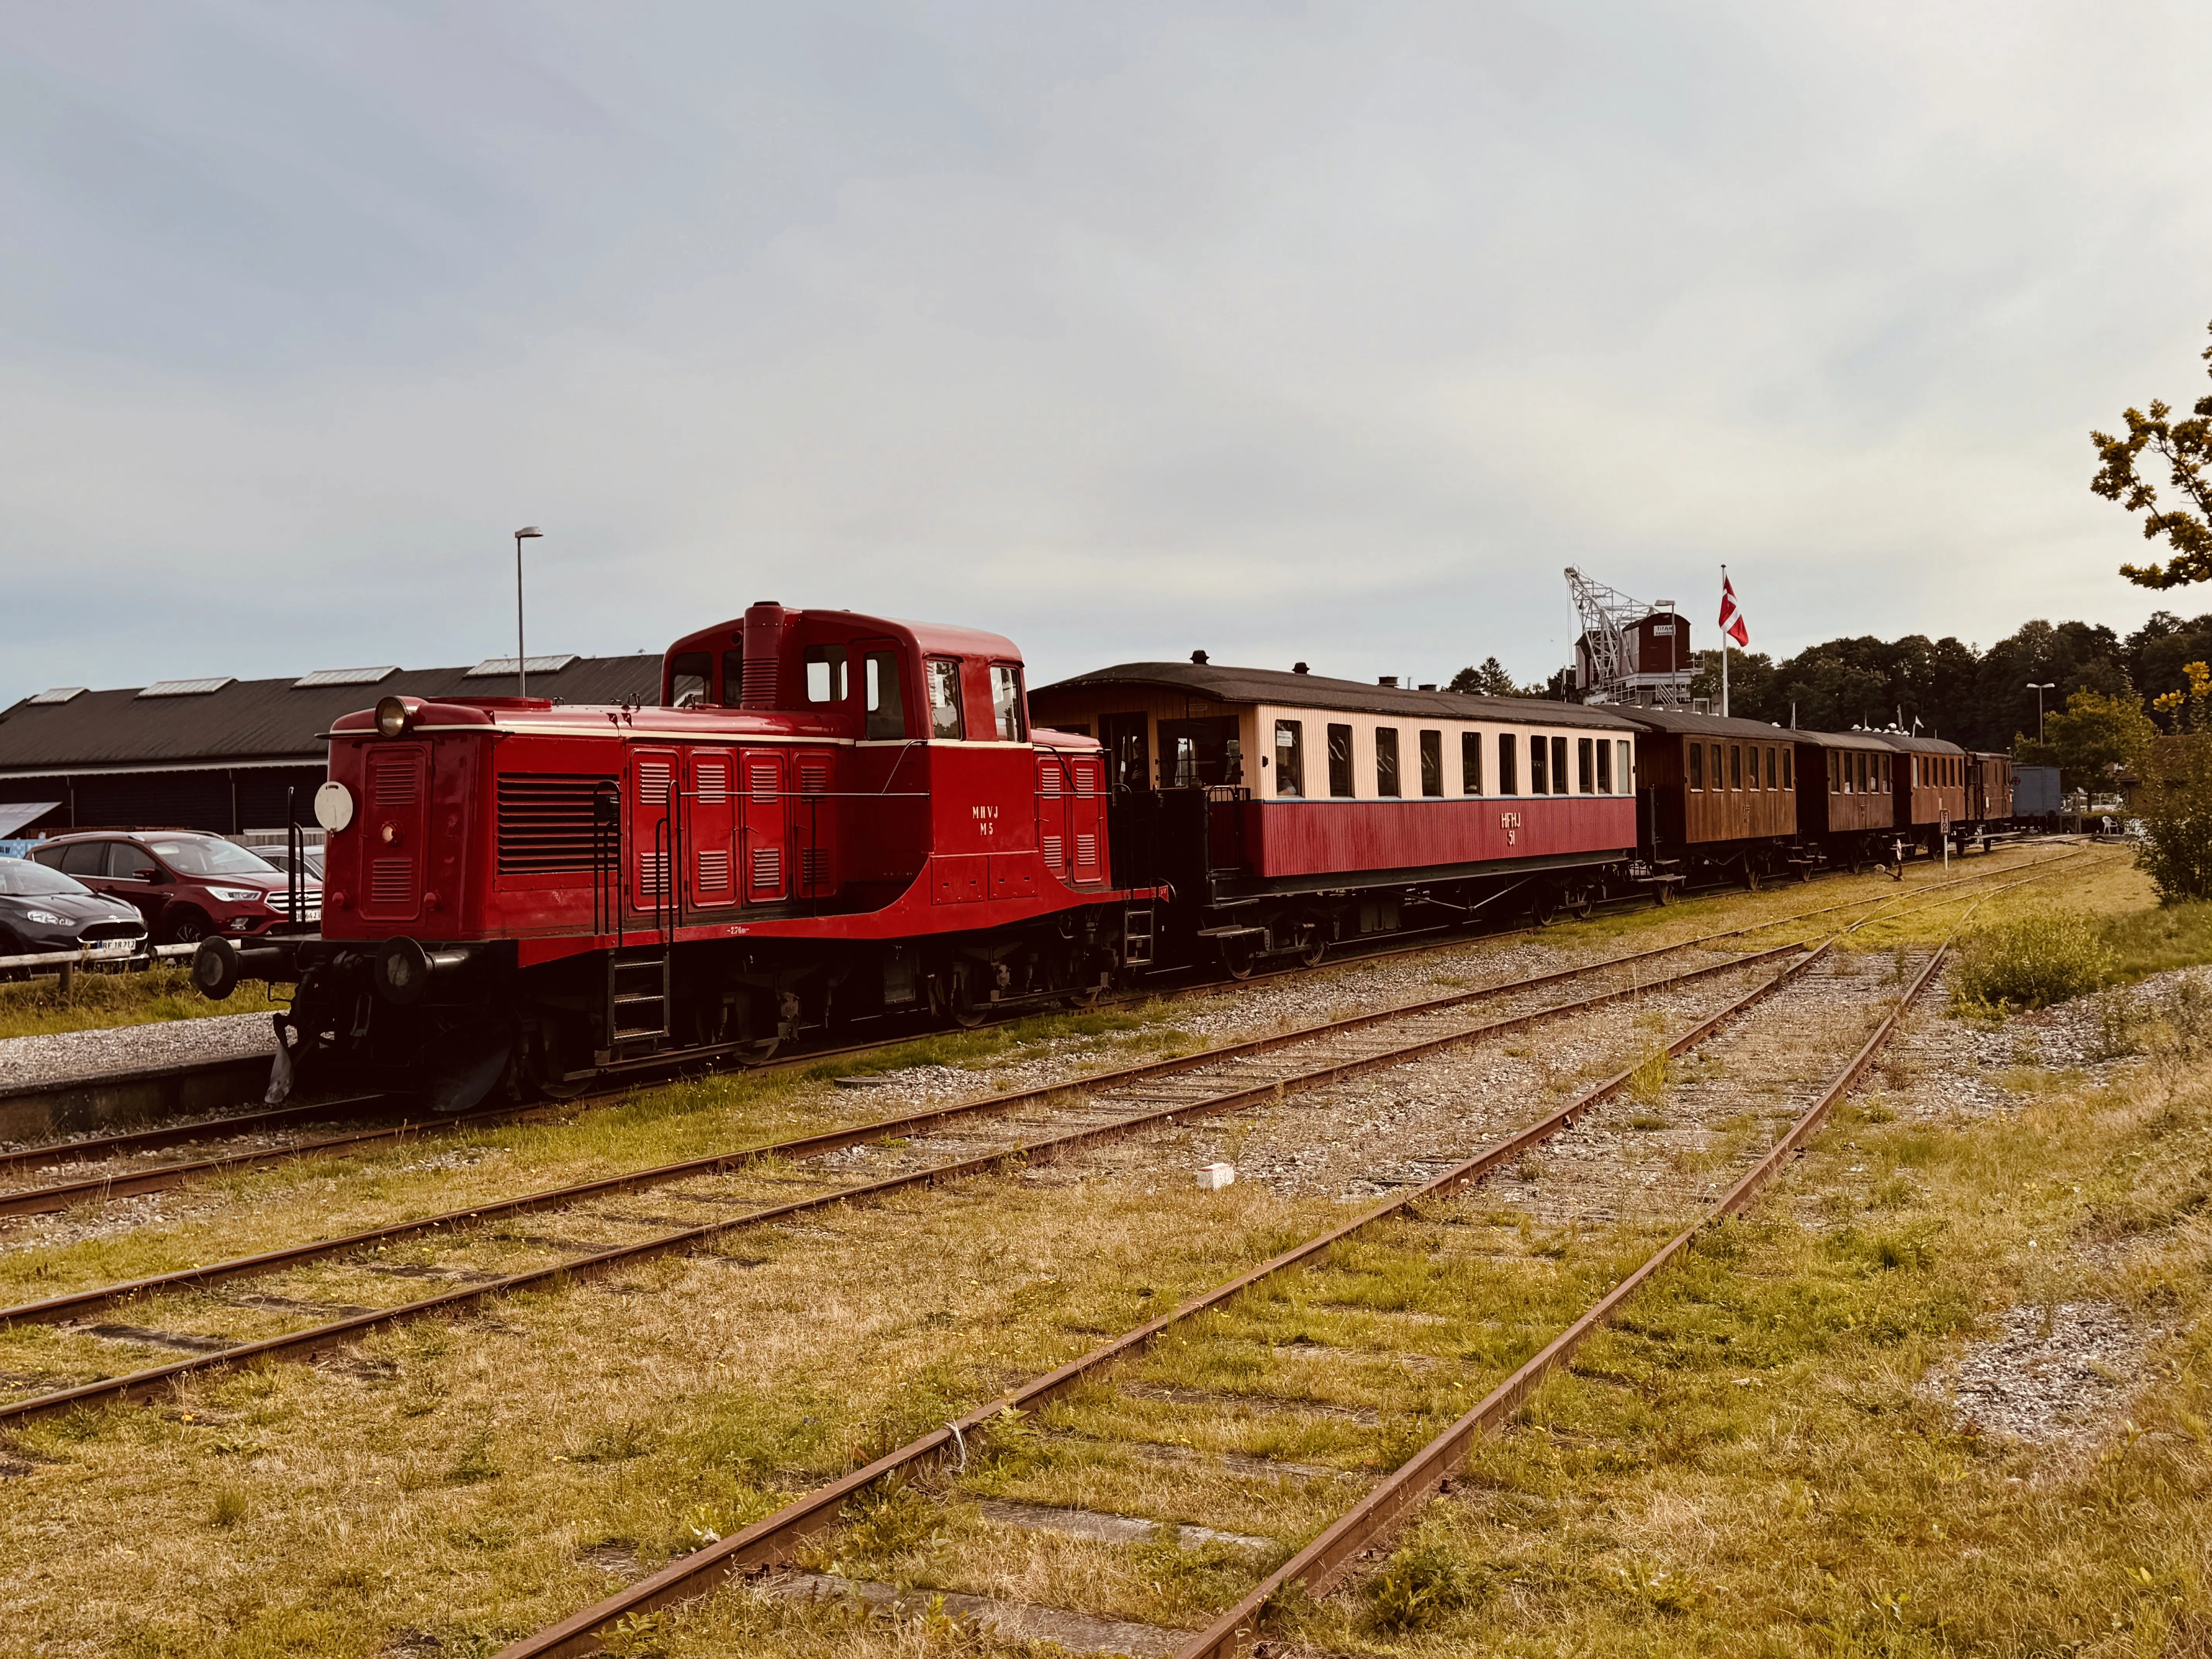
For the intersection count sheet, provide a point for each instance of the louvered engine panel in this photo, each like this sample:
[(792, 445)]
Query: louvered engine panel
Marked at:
[(1048, 771), (1056, 852), (713, 870), (1087, 857), (391, 886), (547, 820), (652, 874), (768, 868), (391, 777), (714, 777), (653, 778)]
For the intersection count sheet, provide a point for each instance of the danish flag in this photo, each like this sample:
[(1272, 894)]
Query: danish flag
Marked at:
[(1732, 623)]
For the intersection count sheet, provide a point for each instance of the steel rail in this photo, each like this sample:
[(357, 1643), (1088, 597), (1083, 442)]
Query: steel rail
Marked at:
[(161, 1177), (773, 1537), (1323, 1563), (74, 1303)]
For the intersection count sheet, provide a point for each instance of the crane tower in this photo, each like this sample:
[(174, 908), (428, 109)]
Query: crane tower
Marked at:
[(1629, 651)]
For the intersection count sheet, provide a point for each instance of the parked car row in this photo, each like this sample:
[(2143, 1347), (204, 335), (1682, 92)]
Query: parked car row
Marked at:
[(182, 885)]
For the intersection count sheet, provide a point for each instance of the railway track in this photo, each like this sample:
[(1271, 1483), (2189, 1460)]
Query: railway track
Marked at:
[(134, 1181), (990, 1479), (1067, 1116)]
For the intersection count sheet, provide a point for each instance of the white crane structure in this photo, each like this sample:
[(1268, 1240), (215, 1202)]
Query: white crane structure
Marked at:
[(1629, 651)]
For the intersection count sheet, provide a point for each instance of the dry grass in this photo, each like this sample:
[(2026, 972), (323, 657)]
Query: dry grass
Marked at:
[(39, 1006), (457, 1482)]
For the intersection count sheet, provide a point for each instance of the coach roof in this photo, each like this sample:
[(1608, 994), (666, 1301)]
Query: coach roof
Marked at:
[(1716, 725), (1269, 685)]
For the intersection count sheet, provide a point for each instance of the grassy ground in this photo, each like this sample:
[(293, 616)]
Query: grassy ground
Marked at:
[(441, 1487), (37, 1006), (1752, 1463)]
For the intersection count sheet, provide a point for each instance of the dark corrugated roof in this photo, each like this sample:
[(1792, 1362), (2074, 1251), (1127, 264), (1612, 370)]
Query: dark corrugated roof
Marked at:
[(1677, 719), (1914, 746), (250, 720), (1269, 685)]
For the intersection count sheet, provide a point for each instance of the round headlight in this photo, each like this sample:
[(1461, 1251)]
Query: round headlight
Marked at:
[(391, 717)]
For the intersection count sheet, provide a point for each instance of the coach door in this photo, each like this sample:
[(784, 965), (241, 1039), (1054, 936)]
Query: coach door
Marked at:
[(711, 828), (814, 822), (653, 826), (761, 846)]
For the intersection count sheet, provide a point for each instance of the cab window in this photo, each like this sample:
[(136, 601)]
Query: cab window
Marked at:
[(944, 678), (886, 695), (1007, 701), (825, 673), (734, 678), (687, 679)]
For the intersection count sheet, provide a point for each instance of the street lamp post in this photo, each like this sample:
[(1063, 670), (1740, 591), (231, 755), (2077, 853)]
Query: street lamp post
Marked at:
[(2048, 685), (528, 532)]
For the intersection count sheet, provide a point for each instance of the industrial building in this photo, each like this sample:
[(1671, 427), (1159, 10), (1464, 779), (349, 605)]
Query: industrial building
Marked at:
[(222, 754)]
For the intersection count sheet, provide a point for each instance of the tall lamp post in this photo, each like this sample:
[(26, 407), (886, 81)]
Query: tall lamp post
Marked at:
[(2047, 685), (529, 532)]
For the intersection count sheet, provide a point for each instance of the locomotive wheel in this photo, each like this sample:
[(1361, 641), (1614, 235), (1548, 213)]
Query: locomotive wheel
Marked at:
[(960, 998), (1317, 949)]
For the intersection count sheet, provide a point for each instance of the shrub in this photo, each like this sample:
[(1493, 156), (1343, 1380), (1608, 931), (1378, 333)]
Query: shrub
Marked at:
[(2032, 961), (2177, 817)]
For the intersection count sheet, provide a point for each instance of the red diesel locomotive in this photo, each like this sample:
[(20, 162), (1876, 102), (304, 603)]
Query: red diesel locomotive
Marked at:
[(829, 816)]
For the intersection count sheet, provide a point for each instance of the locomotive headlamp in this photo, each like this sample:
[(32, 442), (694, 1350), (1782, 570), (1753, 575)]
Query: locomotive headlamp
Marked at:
[(391, 717)]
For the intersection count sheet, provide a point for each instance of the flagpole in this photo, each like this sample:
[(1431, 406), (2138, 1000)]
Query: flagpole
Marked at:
[(1724, 706)]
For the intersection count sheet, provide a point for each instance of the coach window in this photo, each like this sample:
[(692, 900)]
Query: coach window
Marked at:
[(1770, 783), (1508, 778), (1290, 757), (1558, 766), (943, 679), (1386, 761), (1735, 766), (825, 673), (1540, 767), (1752, 781), (1470, 762), (1340, 762), (1432, 762), (1720, 778), (1604, 766), (1585, 767), (1627, 772), (1787, 756), (687, 679), (886, 697), (1697, 766), (1007, 701)]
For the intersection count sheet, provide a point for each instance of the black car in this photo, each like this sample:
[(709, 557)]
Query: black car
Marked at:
[(43, 910)]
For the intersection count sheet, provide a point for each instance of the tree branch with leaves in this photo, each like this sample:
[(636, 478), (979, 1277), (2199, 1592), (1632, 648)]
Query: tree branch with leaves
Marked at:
[(2185, 447)]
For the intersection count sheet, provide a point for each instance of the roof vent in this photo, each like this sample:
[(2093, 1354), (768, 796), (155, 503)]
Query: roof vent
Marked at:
[(1199, 657), (492, 667), (60, 694), (187, 688), (342, 677), (1300, 668), (1390, 680)]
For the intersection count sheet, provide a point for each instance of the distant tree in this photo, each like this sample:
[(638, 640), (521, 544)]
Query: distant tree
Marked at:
[(2185, 447), (2093, 736), (1490, 680)]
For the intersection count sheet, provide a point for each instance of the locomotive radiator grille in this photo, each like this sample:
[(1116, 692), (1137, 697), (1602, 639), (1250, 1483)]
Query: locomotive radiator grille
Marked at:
[(713, 870), (545, 821), (714, 783), (768, 868), (653, 779), (391, 778), (1054, 851), (652, 874), (814, 868)]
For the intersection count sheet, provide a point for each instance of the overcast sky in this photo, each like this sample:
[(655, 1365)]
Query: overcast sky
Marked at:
[(1319, 332)]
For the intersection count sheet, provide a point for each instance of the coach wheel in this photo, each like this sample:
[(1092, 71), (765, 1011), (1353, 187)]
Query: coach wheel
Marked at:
[(1582, 904), (1543, 907), (1315, 950), (1237, 958)]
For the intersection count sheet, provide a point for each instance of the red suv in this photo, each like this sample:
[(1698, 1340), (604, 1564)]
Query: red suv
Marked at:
[(186, 885)]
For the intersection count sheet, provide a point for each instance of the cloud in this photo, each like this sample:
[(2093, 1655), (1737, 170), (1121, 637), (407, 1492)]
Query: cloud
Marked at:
[(1323, 331)]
